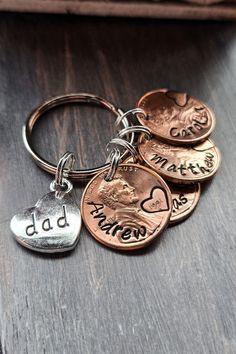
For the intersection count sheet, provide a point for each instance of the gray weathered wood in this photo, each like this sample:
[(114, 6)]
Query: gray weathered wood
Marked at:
[(177, 296)]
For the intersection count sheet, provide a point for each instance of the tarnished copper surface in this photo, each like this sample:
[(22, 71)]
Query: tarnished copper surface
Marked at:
[(128, 212), (185, 199), (181, 164), (175, 117)]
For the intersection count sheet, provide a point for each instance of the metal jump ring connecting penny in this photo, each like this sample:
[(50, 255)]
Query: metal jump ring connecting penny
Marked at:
[(115, 159), (136, 129), (133, 111), (125, 144), (115, 155), (74, 175)]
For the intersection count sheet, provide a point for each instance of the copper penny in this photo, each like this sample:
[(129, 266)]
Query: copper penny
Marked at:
[(181, 164), (128, 212), (185, 199), (175, 117)]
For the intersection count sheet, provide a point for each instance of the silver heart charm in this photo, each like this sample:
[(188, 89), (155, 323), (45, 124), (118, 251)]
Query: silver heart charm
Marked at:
[(52, 225)]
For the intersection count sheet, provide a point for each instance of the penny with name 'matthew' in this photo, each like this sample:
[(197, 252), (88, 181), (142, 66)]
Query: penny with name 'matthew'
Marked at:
[(181, 164), (175, 117), (128, 212)]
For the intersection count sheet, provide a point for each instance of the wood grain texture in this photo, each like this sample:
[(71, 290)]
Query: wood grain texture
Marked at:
[(177, 296), (152, 9)]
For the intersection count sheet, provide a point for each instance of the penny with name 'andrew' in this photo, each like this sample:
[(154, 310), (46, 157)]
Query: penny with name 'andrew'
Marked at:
[(129, 211)]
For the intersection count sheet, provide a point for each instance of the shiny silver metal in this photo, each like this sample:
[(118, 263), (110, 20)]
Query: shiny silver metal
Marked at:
[(74, 175), (64, 166), (133, 112), (65, 188), (119, 143), (114, 163), (52, 225), (135, 129)]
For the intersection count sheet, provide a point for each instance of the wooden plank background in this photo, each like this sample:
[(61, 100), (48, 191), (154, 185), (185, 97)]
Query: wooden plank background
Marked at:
[(177, 296), (188, 9)]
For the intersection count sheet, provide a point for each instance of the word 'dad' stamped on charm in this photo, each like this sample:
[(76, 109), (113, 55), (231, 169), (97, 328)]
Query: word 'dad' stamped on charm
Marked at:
[(175, 117), (181, 164), (52, 225), (129, 211)]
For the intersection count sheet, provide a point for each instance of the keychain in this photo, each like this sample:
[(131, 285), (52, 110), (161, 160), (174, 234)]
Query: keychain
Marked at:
[(129, 201), (54, 223)]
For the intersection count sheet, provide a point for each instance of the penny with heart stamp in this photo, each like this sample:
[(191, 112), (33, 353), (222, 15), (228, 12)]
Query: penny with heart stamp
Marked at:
[(176, 117), (184, 199), (181, 164), (52, 225), (128, 212)]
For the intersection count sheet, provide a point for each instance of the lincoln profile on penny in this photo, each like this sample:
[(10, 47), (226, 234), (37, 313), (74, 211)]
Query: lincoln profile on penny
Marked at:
[(131, 220)]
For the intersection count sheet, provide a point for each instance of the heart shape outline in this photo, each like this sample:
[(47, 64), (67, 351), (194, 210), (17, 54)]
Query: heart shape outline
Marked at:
[(179, 98), (152, 197), (54, 224)]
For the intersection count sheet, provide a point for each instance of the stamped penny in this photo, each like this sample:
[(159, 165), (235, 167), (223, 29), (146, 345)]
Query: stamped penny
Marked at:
[(181, 164), (128, 212), (185, 199), (175, 117)]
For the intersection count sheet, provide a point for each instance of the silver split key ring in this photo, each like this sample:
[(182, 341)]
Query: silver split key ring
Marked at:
[(74, 175)]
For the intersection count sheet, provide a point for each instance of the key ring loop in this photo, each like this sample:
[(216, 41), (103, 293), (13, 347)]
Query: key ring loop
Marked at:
[(74, 175)]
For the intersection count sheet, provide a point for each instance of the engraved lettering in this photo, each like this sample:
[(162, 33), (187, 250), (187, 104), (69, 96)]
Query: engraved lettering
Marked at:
[(140, 232), (31, 229), (197, 124), (158, 159), (172, 168), (97, 207), (177, 203), (126, 234), (108, 227), (182, 168), (62, 221), (174, 132), (113, 228), (46, 225), (192, 168)]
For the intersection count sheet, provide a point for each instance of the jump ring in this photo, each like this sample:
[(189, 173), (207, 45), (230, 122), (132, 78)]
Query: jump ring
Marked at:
[(115, 159), (65, 182), (62, 171), (74, 175), (133, 111), (135, 129), (125, 144)]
